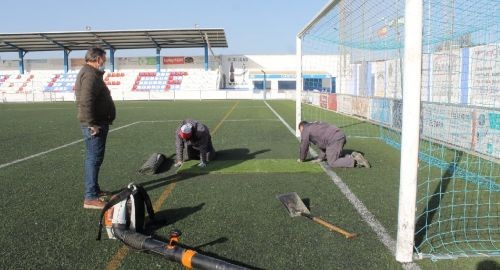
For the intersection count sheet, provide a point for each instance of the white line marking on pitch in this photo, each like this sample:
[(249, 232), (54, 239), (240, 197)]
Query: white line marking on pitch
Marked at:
[(59, 147), (367, 216), (115, 129)]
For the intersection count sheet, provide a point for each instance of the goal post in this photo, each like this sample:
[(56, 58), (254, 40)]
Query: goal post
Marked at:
[(423, 77), (410, 130)]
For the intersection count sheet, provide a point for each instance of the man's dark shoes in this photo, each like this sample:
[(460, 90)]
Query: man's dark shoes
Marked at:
[(360, 160)]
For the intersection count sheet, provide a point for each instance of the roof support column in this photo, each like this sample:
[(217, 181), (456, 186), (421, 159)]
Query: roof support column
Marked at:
[(22, 53), (206, 56), (112, 59), (66, 66), (158, 63)]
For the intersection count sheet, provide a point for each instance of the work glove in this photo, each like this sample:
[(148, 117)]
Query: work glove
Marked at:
[(178, 164), (202, 165)]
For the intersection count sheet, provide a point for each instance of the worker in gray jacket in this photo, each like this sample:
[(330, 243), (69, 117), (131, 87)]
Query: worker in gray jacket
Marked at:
[(196, 137), (330, 141)]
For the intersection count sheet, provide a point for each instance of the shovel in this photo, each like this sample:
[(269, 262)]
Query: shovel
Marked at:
[(296, 207)]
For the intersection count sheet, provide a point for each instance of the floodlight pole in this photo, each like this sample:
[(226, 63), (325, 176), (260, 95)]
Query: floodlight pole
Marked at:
[(410, 130)]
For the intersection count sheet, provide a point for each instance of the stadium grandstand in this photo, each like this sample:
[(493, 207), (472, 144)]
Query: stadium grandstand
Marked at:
[(208, 76)]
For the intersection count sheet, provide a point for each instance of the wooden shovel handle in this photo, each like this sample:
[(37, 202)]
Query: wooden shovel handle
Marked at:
[(331, 227)]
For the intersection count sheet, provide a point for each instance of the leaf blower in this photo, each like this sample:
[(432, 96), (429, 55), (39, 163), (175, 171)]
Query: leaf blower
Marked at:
[(125, 219)]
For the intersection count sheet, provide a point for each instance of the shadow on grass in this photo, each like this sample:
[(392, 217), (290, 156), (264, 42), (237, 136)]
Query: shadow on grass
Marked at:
[(488, 265), (434, 202), (167, 164), (197, 248), (346, 152), (170, 216)]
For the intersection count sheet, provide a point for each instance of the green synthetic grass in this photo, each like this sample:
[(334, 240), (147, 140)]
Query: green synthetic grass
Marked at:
[(251, 166), (233, 216)]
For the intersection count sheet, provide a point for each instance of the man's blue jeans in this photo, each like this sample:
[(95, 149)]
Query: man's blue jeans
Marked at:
[(94, 155)]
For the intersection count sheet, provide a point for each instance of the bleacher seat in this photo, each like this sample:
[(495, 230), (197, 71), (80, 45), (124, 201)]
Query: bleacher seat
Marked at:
[(17, 83), (158, 81), (3, 78), (62, 82)]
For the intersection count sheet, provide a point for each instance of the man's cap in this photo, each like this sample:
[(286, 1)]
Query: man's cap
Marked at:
[(186, 131)]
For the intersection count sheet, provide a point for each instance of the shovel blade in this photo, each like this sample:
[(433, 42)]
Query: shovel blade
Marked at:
[(293, 204)]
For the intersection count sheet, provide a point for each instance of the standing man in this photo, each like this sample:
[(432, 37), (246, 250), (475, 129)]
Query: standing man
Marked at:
[(96, 111), (330, 141), (196, 137)]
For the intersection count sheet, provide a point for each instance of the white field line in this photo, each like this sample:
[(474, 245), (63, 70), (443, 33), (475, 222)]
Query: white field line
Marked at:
[(59, 147), (367, 216), (112, 130)]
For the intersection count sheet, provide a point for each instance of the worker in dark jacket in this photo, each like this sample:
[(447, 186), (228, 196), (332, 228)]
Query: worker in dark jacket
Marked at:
[(96, 111), (196, 137), (330, 141)]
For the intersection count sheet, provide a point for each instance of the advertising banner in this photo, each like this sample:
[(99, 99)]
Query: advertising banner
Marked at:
[(360, 106), (77, 63), (380, 111), (485, 75), (173, 60), (380, 82), (394, 87), (323, 101), (235, 72), (397, 114), (344, 104), (332, 102), (487, 132), (449, 124), (446, 77)]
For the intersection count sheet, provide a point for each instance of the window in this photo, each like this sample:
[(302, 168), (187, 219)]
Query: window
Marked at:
[(284, 85), (259, 85)]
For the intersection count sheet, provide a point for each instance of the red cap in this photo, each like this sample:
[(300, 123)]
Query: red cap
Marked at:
[(185, 131), (184, 136)]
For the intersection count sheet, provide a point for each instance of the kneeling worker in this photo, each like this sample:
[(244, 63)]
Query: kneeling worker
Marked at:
[(196, 137), (330, 141)]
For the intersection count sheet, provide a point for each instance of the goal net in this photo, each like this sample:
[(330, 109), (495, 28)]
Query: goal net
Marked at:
[(352, 70)]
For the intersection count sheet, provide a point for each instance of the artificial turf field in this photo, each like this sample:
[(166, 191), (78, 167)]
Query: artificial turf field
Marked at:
[(228, 210)]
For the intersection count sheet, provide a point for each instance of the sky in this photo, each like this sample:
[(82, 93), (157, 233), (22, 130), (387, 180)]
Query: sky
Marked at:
[(252, 27)]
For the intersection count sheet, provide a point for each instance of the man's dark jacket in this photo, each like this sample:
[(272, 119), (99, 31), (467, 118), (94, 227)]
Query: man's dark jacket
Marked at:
[(199, 140), (320, 134), (94, 102)]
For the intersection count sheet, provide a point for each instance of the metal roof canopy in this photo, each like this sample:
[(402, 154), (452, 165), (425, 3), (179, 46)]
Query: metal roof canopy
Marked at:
[(117, 39)]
